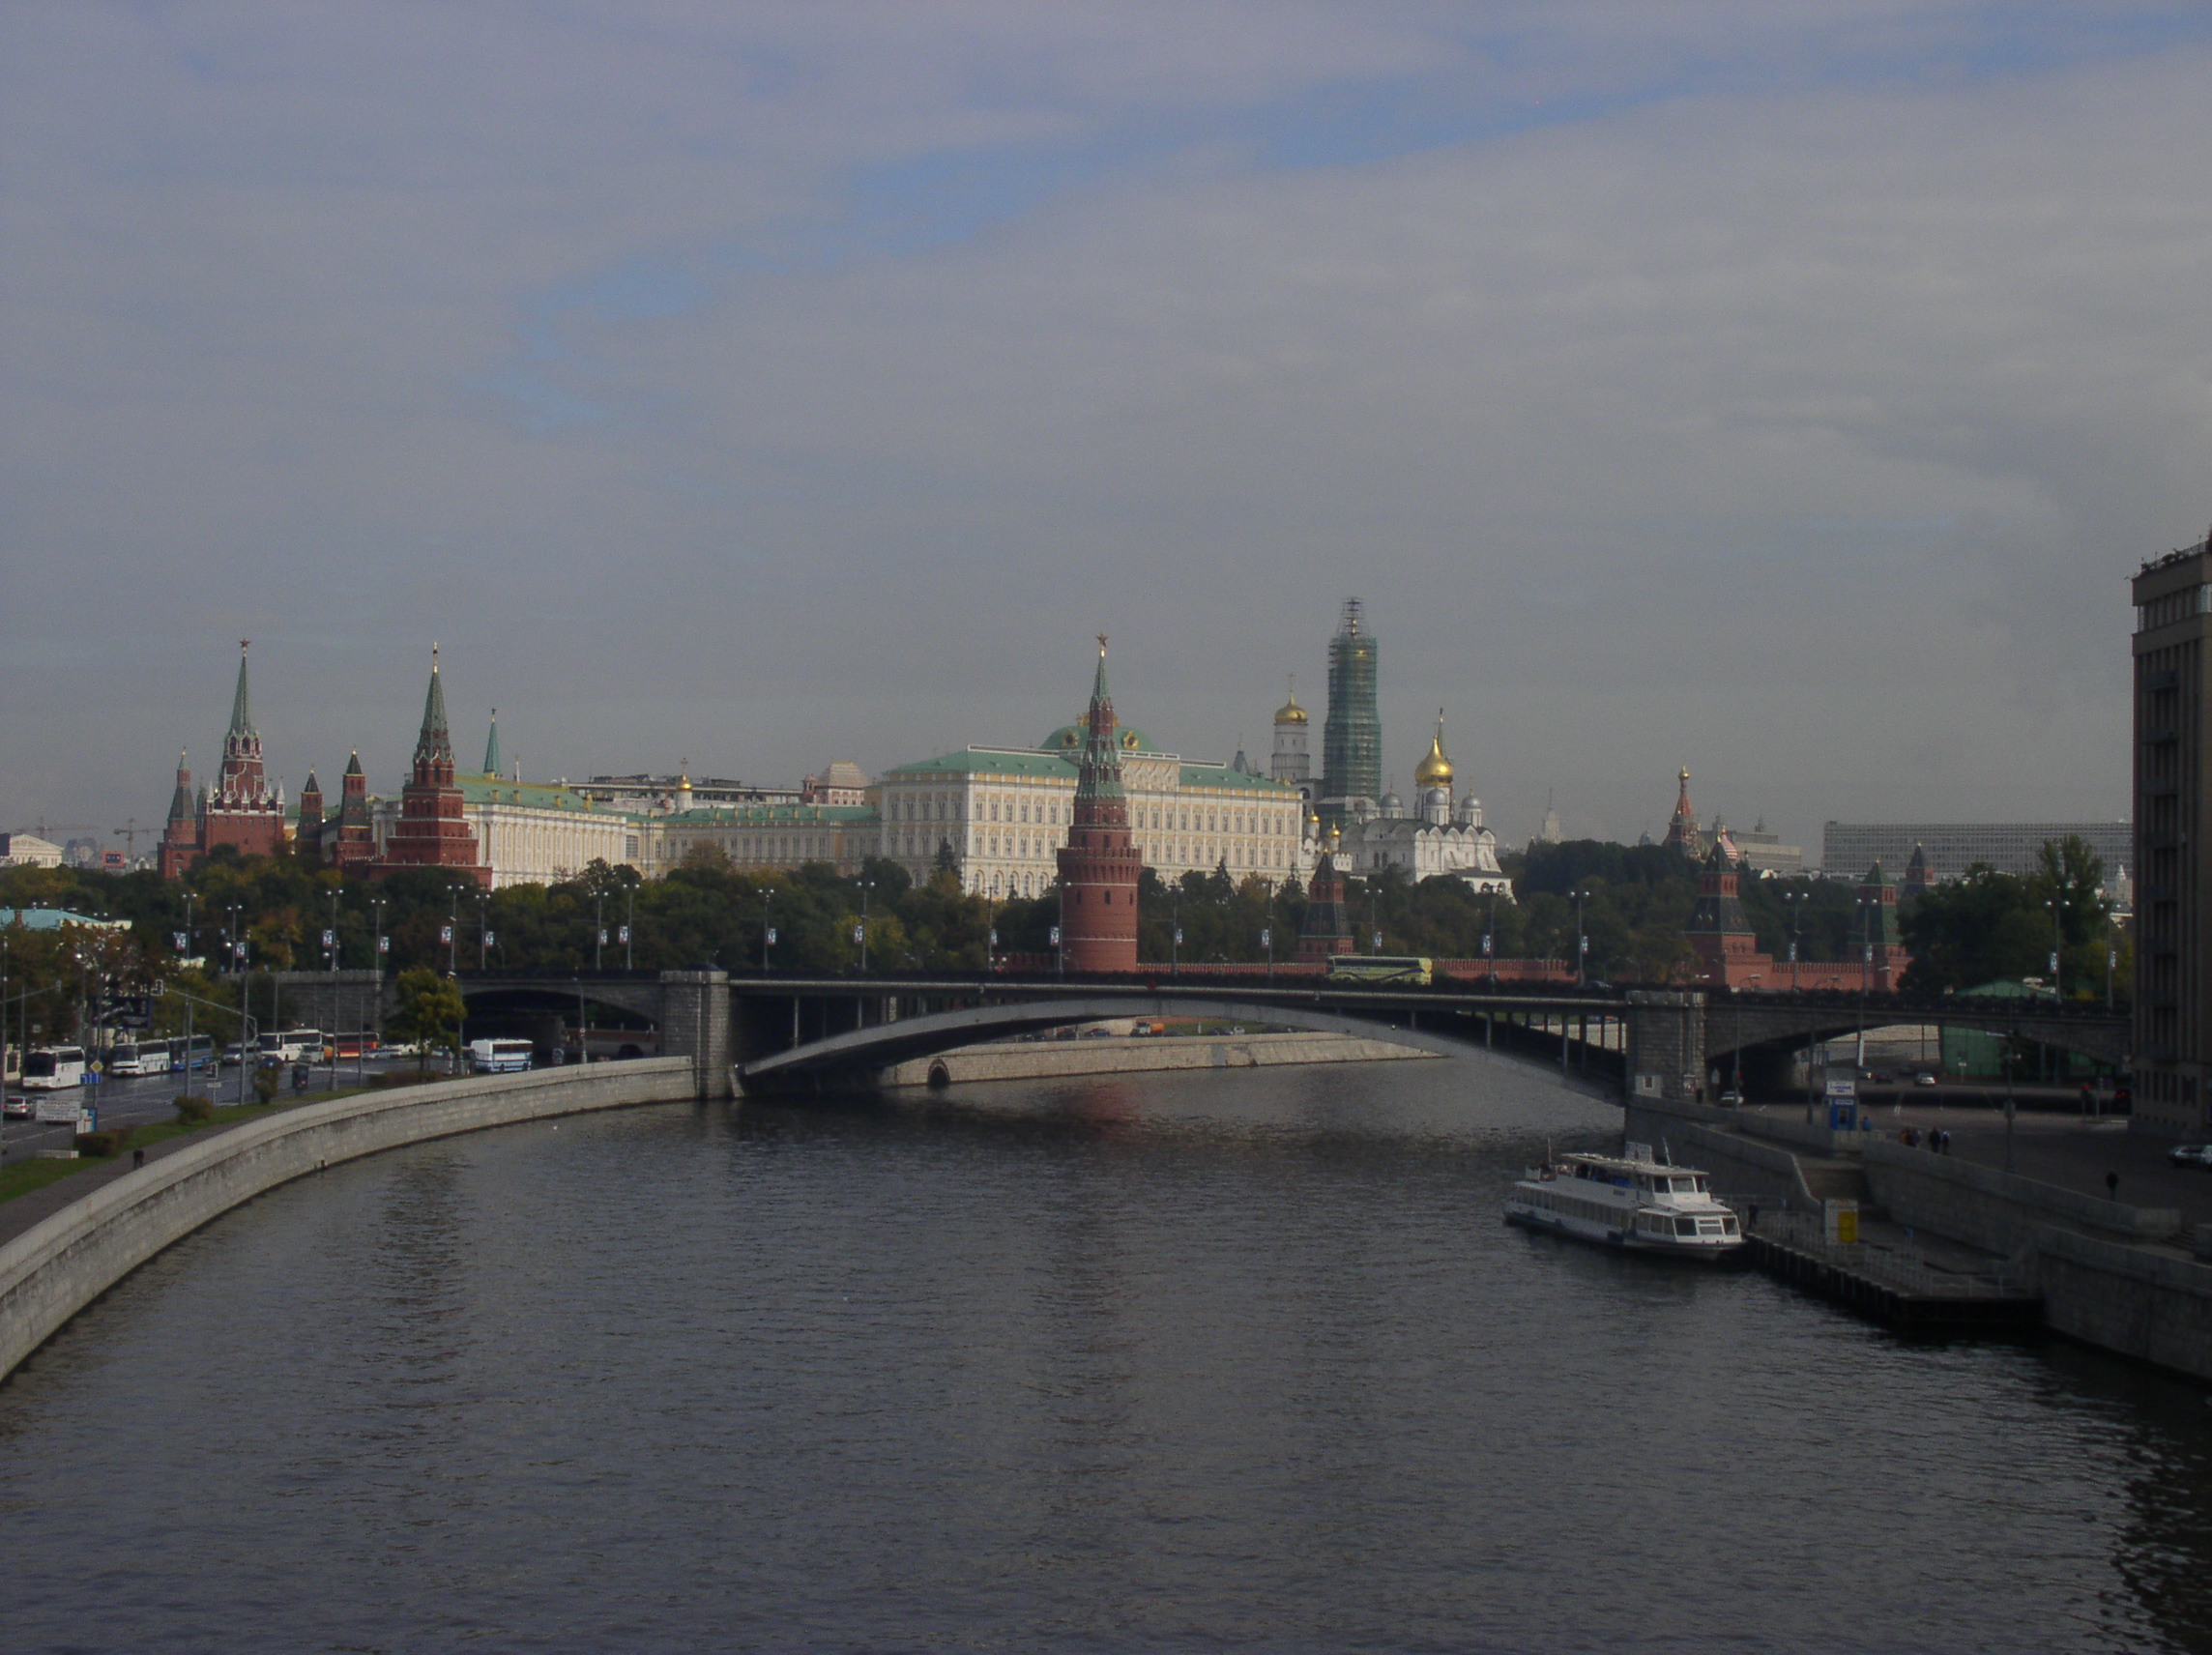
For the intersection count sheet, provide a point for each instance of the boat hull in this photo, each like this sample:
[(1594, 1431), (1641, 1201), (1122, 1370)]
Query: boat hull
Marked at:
[(1696, 1250)]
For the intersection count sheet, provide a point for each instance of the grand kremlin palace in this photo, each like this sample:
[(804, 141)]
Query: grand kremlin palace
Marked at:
[(1004, 813)]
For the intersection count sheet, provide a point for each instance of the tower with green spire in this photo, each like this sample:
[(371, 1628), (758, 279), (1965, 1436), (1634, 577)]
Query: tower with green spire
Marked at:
[(491, 749), (238, 808), (433, 829), (1098, 865)]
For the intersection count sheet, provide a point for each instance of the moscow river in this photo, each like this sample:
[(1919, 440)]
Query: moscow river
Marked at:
[(1204, 1360)]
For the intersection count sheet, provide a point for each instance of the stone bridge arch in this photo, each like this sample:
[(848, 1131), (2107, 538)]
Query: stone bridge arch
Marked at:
[(877, 1046)]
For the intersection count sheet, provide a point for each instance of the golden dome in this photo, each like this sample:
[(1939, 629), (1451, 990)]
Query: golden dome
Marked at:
[(1291, 712), (1436, 770)]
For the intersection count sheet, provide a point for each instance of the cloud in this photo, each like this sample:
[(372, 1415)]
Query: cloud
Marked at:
[(1784, 389)]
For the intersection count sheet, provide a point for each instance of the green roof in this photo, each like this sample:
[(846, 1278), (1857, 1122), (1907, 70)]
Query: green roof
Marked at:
[(994, 760), (1225, 775), (772, 815), (1062, 766), (528, 795)]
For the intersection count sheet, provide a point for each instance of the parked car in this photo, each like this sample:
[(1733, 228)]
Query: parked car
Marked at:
[(2198, 1156), (1732, 1099), (17, 1107), (1924, 1078)]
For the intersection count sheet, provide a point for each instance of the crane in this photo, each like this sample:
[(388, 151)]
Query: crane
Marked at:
[(129, 833)]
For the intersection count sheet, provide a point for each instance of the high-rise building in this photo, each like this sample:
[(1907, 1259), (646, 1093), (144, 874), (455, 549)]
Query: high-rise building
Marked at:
[(1098, 867), (433, 829), (2173, 920), (1351, 741)]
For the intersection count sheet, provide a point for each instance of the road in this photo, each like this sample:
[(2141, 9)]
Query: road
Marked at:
[(136, 1101)]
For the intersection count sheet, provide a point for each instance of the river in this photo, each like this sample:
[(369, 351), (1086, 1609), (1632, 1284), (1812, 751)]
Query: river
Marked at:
[(1214, 1360)]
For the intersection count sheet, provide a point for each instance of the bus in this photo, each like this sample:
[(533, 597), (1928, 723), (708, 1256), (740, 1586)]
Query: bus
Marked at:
[(499, 1057), (196, 1053), (50, 1068), (148, 1057), (1398, 970), (293, 1046)]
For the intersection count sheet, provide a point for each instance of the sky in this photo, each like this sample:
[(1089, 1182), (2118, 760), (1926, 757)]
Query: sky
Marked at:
[(1783, 389)]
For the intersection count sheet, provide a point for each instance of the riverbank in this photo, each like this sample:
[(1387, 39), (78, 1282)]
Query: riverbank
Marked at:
[(2135, 1281), (57, 1266), (1038, 1059)]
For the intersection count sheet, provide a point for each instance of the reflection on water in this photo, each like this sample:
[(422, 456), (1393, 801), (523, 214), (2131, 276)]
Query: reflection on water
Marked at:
[(1208, 1359)]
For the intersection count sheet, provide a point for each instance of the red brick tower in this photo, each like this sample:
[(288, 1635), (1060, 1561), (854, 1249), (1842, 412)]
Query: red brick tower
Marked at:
[(355, 845), (1325, 930), (307, 838), (432, 830), (181, 838), (1098, 865), (243, 809), (1719, 930)]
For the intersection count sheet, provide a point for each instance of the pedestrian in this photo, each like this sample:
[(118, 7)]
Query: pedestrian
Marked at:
[(2112, 1187), (1751, 1216)]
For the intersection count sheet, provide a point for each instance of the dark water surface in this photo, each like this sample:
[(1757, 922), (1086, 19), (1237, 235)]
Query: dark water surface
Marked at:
[(1165, 1362)]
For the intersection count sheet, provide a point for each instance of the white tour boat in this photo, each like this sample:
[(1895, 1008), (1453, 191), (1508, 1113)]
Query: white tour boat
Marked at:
[(1628, 1201)]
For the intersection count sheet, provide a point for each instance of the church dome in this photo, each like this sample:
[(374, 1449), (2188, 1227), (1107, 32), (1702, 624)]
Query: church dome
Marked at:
[(1291, 712), (1068, 739), (1436, 770)]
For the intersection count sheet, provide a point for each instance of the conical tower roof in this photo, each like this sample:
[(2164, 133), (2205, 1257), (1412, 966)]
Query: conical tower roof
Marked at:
[(1099, 777), (180, 800), (491, 746), (435, 742), (242, 701), (353, 764)]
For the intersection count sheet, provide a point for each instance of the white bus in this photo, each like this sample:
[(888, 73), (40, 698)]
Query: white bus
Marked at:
[(50, 1068), (498, 1057), (293, 1046), (143, 1057), (196, 1053)]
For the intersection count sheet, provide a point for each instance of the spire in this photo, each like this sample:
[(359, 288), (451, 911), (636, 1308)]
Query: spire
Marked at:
[(241, 703), (1098, 779), (435, 740), (180, 800), (353, 764), (491, 747)]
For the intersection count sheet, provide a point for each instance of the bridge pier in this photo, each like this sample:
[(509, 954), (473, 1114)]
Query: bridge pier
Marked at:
[(695, 1024), (1665, 1043)]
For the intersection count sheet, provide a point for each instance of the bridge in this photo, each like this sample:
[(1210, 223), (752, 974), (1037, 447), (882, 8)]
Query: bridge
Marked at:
[(766, 1030)]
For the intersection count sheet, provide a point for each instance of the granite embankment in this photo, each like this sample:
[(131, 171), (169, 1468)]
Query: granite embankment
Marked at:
[(63, 1262), (2127, 1279), (1027, 1060)]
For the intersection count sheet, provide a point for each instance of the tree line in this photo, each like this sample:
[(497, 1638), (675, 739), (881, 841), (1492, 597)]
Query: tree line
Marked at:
[(248, 915)]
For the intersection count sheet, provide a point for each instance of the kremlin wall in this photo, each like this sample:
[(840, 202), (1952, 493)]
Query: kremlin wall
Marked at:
[(1090, 807)]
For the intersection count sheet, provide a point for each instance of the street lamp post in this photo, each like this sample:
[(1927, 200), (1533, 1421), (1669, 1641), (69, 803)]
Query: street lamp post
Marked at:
[(767, 930), (1867, 906), (598, 926), (334, 991), (484, 930), (379, 945), (867, 886), (2058, 905), (1175, 929), (1582, 939), (1490, 953), (1795, 899), (629, 929)]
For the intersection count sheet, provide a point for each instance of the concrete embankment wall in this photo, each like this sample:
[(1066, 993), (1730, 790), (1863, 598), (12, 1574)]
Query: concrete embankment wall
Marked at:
[(61, 1265), (2140, 1301), (1996, 1210), (1029, 1060), (1739, 1165)]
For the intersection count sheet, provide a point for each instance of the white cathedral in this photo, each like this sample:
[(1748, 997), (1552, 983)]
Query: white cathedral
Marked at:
[(1437, 838)]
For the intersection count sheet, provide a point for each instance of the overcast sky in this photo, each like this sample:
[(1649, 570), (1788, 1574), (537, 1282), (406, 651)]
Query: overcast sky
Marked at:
[(1786, 389)]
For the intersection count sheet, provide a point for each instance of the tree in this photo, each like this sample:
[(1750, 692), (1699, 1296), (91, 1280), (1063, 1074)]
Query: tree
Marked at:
[(430, 1010)]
